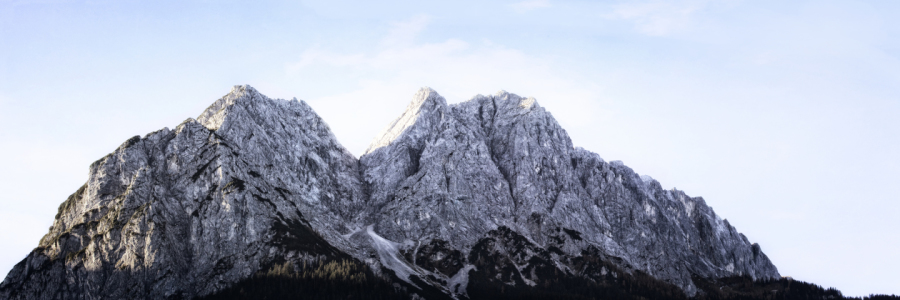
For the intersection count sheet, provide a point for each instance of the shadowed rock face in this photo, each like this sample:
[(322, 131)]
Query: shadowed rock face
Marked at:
[(487, 187)]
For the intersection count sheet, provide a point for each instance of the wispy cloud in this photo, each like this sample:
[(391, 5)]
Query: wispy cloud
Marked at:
[(402, 35), (659, 18), (525, 6), (316, 54), (456, 68), (405, 32)]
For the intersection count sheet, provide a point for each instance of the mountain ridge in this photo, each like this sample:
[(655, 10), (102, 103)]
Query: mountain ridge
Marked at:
[(490, 183), (521, 146)]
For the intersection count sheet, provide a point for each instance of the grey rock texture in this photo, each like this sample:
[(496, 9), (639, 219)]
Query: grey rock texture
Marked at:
[(446, 192), (185, 212), (453, 173)]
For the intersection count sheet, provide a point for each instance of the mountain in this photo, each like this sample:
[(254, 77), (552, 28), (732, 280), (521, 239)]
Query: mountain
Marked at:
[(480, 199), (189, 211), (449, 175)]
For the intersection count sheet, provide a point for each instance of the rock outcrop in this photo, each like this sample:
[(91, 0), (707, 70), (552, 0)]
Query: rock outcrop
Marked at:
[(491, 188)]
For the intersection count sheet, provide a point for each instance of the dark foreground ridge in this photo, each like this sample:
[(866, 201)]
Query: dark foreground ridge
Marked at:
[(484, 199)]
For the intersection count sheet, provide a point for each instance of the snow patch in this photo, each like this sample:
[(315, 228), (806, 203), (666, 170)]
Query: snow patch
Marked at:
[(390, 256), (457, 284), (352, 232)]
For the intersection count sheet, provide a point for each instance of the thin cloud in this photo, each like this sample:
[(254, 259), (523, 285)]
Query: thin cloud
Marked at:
[(457, 69), (404, 33), (315, 54), (659, 18), (526, 6)]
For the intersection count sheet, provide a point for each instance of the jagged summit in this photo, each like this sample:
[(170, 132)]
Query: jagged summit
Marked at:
[(215, 114), (449, 201), (502, 161), (426, 109), (184, 213), (515, 103)]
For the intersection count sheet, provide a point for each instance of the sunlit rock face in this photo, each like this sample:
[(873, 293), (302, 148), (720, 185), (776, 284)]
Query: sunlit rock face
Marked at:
[(189, 211), (454, 172), (489, 188)]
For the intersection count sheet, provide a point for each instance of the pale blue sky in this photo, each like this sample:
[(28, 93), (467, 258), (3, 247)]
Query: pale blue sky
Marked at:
[(783, 115)]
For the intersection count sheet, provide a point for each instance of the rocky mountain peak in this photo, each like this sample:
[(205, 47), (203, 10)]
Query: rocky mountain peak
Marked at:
[(215, 114), (503, 161), (490, 188), (424, 111), (515, 103)]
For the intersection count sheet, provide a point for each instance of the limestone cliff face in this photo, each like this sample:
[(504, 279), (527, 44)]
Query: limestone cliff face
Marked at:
[(453, 173), (445, 193), (189, 211)]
